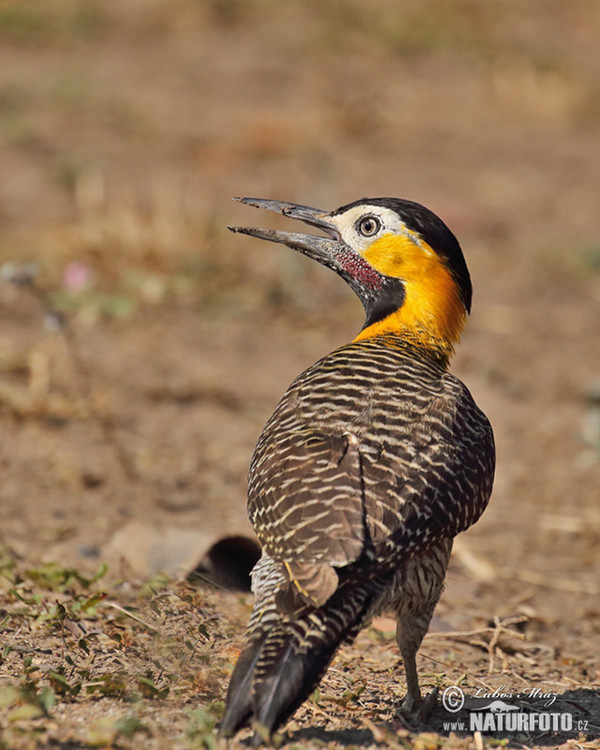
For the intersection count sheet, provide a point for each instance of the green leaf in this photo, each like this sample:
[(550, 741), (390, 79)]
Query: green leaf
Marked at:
[(93, 600), (147, 687), (9, 695), (128, 726), (59, 683), (46, 699), (25, 712)]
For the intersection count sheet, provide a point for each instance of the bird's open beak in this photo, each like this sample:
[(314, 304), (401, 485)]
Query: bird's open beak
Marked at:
[(321, 249)]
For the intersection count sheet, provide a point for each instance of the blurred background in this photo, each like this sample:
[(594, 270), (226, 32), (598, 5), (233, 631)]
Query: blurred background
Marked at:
[(138, 367)]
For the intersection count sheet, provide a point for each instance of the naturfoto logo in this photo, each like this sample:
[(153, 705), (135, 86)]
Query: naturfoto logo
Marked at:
[(501, 710)]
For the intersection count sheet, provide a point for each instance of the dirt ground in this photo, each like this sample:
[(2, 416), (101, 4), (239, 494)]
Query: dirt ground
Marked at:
[(140, 363)]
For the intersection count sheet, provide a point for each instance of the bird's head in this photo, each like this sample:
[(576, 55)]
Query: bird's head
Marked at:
[(400, 259)]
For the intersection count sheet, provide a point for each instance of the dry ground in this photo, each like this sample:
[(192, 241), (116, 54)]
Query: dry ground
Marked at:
[(124, 130)]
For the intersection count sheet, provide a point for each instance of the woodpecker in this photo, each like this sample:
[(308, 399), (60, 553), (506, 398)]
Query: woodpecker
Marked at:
[(375, 458)]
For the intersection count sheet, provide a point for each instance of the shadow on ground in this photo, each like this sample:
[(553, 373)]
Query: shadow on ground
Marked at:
[(569, 716)]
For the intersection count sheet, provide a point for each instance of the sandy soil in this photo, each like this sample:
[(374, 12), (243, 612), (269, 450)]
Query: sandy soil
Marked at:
[(124, 131)]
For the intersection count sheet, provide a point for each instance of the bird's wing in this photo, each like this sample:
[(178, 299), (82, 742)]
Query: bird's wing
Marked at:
[(304, 497), (432, 478), (318, 500), (304, 500)]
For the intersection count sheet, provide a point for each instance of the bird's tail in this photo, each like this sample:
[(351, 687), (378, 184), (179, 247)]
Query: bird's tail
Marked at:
[(285, 660)]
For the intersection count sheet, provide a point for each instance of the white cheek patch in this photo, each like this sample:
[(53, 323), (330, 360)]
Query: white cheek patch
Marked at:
[(391, 223)]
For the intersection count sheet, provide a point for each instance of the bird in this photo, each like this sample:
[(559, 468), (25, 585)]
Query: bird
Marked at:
[(374, 459)]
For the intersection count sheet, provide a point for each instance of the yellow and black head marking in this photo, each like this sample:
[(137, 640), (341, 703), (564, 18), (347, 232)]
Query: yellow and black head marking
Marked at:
[(401, 260)]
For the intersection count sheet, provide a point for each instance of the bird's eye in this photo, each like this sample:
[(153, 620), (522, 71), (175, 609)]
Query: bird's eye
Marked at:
[(368, 226)]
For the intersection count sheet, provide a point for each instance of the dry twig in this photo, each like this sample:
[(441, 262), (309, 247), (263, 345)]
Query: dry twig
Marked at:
[(127, 613)]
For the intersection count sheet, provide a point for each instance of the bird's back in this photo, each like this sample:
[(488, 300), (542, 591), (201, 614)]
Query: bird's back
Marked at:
[(373, 452)]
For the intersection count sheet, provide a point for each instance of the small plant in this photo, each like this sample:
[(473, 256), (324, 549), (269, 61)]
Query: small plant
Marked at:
[(200, 731)]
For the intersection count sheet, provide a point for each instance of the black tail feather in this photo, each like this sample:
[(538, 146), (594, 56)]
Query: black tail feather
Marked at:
[(289, 680), (278, 670), (239, 695)]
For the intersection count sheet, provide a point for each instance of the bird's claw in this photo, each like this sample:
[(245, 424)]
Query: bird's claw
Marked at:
[(414, 712)]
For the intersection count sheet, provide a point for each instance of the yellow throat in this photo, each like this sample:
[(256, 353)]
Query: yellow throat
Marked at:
[(432, 313)]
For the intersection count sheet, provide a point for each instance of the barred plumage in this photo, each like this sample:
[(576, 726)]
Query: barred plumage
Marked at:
[(373, 460)]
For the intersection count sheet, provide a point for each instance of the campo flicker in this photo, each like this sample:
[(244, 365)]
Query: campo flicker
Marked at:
[(375, 458)]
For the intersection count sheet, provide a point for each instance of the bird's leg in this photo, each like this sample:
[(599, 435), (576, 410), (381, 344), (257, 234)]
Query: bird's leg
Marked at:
[(409, 634), (413, 700), (415, 607)]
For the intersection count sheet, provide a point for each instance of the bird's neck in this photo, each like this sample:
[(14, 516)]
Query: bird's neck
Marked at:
[(431, 316)]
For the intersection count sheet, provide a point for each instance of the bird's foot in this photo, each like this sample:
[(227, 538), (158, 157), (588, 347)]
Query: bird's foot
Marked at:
[(414, 711)]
